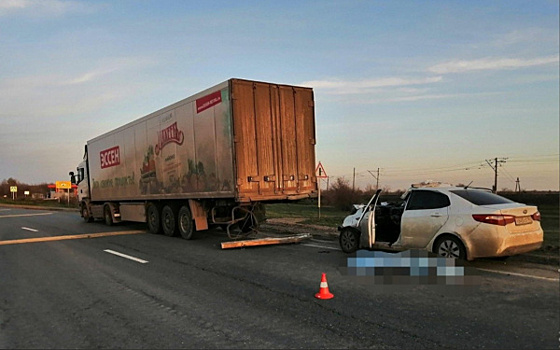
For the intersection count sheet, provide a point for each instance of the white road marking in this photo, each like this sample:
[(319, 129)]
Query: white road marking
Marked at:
[(522, 275), (319, 246), (22, 215), (29, 229), (125, 256)]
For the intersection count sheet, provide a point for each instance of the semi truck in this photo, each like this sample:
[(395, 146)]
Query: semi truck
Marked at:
[(214, 158)]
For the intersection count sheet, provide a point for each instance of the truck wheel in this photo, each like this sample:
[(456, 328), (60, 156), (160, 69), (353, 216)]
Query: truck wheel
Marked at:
[(108, 215), (152, 219), (168, 221), (349, 240), (85, 214), (185, 222)]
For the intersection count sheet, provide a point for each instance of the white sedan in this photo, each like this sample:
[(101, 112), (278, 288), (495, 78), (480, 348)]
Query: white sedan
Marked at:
[(455, 222)]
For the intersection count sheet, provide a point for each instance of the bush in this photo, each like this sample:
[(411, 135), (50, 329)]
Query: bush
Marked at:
[(341, 195)]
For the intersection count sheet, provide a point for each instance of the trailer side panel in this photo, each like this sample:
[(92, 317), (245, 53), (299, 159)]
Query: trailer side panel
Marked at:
[(181, 151)]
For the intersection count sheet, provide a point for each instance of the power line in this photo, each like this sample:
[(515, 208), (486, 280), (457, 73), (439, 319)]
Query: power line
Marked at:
[(389, 172), (376, 178)]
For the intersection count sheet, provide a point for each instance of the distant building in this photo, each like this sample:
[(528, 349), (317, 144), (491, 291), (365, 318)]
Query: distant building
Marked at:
[(62, 193)]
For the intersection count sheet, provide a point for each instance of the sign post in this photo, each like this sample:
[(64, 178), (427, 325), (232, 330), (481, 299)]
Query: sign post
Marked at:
[(64, 185), (13, 189), (321, 174)]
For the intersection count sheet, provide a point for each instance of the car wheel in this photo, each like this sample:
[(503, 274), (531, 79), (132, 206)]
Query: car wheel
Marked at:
[(349, 240), (450, 247), (85, 214), (108, 215), (168, 221), (185, 222), (153, 219)]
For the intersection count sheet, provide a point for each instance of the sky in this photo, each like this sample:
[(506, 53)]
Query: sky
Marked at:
[(417, 90)]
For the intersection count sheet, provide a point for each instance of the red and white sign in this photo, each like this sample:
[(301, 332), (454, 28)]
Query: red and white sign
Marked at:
[(320, 171), (208, 101), (110, 157), (168, 135)]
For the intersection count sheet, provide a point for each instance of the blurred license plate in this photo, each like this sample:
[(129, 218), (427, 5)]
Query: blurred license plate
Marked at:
[(523, 220)]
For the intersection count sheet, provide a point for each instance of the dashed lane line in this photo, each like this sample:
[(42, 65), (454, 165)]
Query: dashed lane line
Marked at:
[(319, 246), (521, 275), (67, 237), (125, 256), (29, 229), (23, 215)]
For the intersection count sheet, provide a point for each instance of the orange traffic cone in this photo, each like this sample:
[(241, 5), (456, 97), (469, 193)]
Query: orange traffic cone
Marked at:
[(324, 289)]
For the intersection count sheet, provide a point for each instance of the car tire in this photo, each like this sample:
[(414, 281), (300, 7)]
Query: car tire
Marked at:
[(153, 219), (169, 221), (349, 240), (185, 222), (450, 247)]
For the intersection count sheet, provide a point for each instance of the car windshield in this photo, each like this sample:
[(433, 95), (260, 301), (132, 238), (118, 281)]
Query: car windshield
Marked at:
[(479, 197)]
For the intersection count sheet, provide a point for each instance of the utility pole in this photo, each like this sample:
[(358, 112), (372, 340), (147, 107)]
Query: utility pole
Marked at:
[(376, 178), (497, 163), (354, 180)]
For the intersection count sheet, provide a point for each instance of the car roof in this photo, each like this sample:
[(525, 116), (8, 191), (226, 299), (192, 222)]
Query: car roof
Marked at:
[(444, 186)]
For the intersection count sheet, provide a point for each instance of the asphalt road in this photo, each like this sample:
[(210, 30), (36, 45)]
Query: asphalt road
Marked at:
[(76, 293)]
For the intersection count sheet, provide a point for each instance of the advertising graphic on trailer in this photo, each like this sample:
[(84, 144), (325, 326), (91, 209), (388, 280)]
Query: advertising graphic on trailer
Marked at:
[(185, 148)]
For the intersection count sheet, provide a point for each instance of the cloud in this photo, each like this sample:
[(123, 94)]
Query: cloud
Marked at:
[(63, 93), (392, 99), (460, 66), (341, 87), (44, 8), (14, 4)]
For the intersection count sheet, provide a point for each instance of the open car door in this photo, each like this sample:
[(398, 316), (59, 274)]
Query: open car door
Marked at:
[(371, 227), (368, 226)]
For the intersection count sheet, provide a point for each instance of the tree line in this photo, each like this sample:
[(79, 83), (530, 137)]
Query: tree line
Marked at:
[(6, 184)]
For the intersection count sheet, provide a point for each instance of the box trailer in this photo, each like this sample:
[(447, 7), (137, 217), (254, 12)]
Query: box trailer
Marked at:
[(211, 159)]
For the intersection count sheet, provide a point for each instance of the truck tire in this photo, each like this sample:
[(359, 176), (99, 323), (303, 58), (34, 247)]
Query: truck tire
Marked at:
[(153, 219), (169, 221), (85, 214), (108, 215), (185, 222)]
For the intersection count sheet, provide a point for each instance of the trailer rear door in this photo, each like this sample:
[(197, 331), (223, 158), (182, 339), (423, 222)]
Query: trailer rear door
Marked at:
[(274, 136)]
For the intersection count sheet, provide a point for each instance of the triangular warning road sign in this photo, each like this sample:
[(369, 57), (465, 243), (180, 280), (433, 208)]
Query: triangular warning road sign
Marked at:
[(320, 171)]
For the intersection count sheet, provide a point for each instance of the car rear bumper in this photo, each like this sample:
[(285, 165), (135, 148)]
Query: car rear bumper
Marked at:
[(520, 249), (506, 244)]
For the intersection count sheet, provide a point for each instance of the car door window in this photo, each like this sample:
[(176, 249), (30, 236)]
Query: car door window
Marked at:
[(420, 200)]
